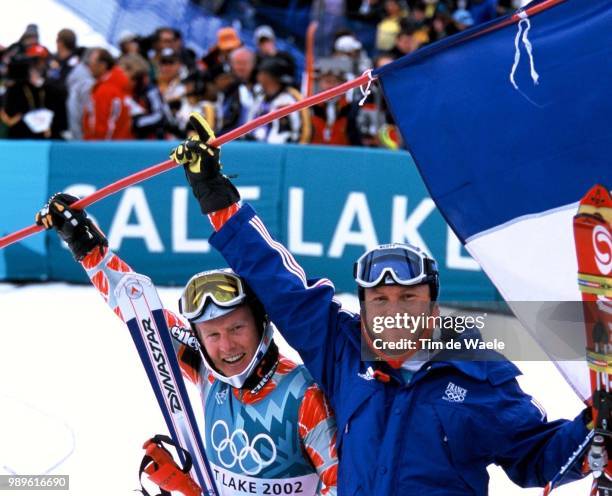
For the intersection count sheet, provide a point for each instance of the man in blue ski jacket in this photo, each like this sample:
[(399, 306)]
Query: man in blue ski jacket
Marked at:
[(404, 426)]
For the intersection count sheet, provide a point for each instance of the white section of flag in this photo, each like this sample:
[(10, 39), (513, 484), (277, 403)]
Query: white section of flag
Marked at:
[(533, 258)]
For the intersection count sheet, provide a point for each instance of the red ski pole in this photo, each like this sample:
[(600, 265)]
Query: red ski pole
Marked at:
[(221, 140)]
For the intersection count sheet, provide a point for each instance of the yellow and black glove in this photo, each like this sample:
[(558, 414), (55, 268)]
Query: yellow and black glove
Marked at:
[(213, 190), (72, 225)]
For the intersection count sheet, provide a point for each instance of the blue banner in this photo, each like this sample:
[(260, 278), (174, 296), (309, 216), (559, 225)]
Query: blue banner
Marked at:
[(23, 174), (327, 204), (342, 201), (156, 226)]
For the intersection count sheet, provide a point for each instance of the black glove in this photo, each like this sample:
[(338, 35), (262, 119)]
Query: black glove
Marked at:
[(213, 190), (72, 225)]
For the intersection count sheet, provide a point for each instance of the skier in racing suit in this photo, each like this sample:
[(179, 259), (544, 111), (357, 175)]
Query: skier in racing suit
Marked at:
[(404, 426), (268, 427)]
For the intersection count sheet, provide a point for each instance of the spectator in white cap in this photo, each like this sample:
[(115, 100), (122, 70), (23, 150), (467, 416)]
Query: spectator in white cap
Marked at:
[(347, 44), (334, 122), (263, 33), (348, 47), (265, 44)]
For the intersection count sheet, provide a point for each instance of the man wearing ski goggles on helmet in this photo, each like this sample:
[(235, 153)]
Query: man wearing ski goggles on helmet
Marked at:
[(404, 426), (246, 381), (232, 329), (393, 281), (268, 427)]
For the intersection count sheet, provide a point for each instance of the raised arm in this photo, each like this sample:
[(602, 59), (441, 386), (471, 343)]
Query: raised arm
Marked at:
[(105, 269), (303, 310)]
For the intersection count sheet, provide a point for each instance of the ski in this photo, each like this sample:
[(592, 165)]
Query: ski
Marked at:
[(593, 239), (143, 313)]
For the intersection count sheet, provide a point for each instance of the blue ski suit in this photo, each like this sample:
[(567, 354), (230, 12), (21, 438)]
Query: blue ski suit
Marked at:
[(434, 435)]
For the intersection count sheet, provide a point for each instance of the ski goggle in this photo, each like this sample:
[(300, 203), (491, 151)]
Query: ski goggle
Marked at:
[(224, 289), (406, 265)]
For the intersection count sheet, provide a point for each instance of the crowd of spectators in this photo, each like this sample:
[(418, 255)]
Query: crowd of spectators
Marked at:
[(150, 88)]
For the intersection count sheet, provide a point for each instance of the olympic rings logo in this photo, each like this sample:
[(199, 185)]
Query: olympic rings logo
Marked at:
[(454, 393), (454, 397), (236, 448)]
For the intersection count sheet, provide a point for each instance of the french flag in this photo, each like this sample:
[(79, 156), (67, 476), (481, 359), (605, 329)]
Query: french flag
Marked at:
[(510, 124)]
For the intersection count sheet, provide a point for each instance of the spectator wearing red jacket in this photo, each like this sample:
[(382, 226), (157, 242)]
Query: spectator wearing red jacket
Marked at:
[(334, 122), (106, 116)]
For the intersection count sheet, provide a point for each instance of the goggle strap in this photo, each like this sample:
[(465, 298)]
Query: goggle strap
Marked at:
[(431, 267)]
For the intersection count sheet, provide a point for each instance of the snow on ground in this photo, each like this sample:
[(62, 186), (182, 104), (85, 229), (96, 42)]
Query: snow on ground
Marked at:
[(75, 399)]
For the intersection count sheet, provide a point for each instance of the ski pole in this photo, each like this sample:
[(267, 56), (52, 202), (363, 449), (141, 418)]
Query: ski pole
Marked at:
[(221, 140)]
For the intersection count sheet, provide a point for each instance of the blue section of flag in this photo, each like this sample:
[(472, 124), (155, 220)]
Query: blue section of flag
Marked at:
[(490, 153)]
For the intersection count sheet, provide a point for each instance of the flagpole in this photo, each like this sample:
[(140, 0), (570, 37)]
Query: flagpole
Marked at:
[(517, 17)]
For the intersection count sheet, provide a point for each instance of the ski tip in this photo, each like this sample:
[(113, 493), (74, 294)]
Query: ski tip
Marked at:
[(597, 201), (597, 196)]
